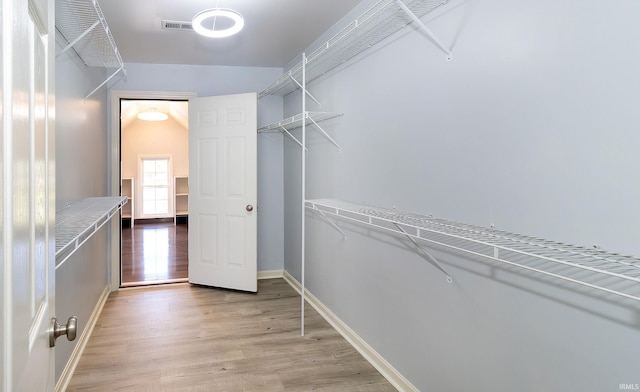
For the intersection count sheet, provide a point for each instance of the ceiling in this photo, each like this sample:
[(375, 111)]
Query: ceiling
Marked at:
[(177, 110), (275, 31)]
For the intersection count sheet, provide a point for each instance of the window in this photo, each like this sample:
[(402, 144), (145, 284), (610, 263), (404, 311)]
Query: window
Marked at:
[(156, 190)]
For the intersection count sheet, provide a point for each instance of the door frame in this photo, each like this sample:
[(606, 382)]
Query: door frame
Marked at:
[(114, 164)]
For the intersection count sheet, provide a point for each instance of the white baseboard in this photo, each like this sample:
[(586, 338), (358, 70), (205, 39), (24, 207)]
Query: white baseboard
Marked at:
[(270, 274), (375, 359), (70, 368)]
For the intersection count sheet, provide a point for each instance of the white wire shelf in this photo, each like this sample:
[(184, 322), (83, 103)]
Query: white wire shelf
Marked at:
[(294, 122), (379, 22), (76, 223), (594, 268), (84, 27), (307, 118)]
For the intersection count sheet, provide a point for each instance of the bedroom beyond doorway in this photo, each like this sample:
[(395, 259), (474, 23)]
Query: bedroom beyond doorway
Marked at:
[(154, 159)]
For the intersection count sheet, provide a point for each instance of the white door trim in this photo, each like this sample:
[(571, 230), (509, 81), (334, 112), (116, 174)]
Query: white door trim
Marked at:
[(114, 164)]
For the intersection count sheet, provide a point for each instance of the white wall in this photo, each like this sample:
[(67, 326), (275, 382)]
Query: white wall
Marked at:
[(219, 80), (533, 126)]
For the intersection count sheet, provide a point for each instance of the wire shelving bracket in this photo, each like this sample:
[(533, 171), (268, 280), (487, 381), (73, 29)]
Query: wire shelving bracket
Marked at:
[(294, 122), (425, 29), (594, 268), (306, 91), (76, 223), (84, 27), (331, 223), (313, 205), (380, 21), (424, 252)]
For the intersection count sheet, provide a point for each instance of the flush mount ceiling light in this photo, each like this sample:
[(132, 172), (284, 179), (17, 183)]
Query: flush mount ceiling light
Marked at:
[(153, 115), (234, 16)]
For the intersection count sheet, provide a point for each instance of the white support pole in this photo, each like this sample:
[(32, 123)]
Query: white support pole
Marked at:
[(304, 197), (426, 30)]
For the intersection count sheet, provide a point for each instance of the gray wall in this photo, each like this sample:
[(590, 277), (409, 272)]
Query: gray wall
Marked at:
[(532, 127), (219, 80), (81, 167)]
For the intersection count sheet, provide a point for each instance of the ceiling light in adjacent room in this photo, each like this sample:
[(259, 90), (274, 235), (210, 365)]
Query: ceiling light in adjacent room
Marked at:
[(235, 17), (152, 115)]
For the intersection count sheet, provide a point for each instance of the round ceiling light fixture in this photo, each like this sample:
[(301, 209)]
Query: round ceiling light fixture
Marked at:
[(153, 115), (234, 16)]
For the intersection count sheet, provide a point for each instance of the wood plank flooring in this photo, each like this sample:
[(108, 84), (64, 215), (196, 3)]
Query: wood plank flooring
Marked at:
[(154, 252), (193, 338)]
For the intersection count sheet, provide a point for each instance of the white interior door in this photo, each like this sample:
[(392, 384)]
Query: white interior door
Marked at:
[(223, 191), (28, 196)]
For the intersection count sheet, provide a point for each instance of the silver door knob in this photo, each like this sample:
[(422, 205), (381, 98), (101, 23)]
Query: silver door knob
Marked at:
[(70, 329), (249, 207)]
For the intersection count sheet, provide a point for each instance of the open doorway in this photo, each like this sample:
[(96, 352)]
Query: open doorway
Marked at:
[(154, 170)]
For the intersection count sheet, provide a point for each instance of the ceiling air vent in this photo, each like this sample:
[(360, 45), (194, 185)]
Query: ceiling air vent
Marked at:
[(176, 25)]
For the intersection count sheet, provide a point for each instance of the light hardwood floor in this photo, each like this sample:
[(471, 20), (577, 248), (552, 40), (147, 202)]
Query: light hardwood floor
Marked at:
[(192, 338)]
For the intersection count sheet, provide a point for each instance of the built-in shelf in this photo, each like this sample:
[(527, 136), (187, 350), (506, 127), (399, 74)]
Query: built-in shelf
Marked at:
[(377, 23), (181, 200), (76, 223), (84, 27), (128, 210), (594, 268)]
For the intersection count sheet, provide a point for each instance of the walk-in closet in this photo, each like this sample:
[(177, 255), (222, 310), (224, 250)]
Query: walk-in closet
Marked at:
[(411, 195)]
